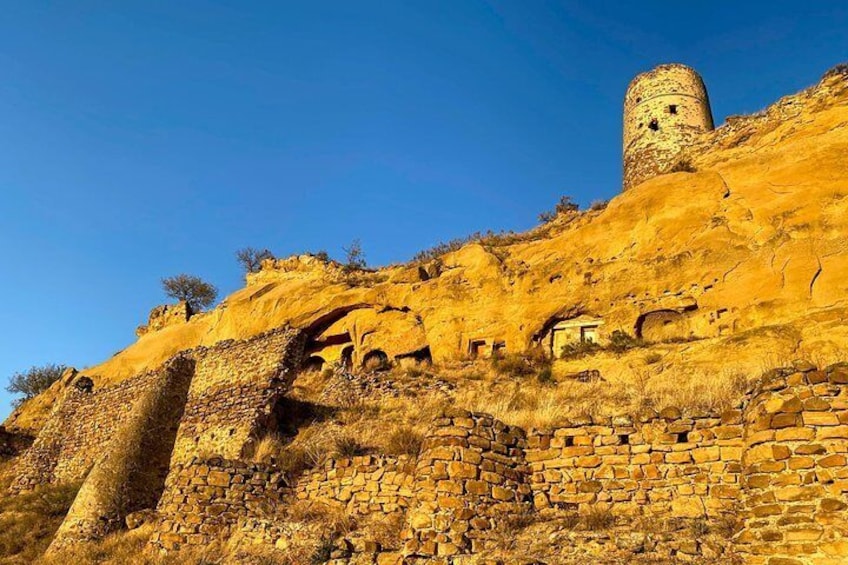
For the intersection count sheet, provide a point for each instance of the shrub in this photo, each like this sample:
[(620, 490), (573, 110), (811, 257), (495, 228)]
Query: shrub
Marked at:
[(545, 376), (652, 358), (294, 460), (840, 69), (577, 349), (512, 364), (565, 206), (269, 449), (322, 256), (621, 341), (683, 166), (599, 204), (251, 259), (597, 518), (348, 446), (34, 380), (404, 441), (197, 293)]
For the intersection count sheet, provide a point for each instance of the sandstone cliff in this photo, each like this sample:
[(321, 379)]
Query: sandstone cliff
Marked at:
[(744, 256)]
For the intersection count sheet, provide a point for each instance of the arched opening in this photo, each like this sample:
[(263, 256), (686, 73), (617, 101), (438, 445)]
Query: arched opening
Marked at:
[(662, 325), (375, 360), (416, 358), (346, 358), (313, 364)]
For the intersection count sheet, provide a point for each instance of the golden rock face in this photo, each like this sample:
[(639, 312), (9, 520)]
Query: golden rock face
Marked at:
[(744, 255)]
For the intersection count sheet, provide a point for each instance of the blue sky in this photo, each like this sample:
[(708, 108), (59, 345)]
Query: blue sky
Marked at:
[(144, 139)]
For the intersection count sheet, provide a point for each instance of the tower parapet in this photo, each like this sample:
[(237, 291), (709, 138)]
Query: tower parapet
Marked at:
[(665, 109)]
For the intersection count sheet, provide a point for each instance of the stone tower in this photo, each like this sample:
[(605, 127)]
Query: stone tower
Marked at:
[(664, 110)]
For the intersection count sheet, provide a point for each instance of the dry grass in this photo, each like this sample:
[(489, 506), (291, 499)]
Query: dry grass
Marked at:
[(403, 440), (28, 521), (529, 403), (597, 518), (385, 530)]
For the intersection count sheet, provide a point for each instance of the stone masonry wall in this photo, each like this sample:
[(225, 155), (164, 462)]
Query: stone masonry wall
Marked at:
[(129, 472), (233, 392), (795, 474), (470, 472), (669, 466), (364, 485), (204, 500), (81, 423)]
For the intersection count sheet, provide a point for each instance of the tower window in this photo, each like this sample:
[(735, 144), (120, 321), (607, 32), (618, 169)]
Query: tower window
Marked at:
[(654, 125), (672, 109)]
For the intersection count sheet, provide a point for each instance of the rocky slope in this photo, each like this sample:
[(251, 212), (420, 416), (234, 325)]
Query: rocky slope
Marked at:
[(745, 252)]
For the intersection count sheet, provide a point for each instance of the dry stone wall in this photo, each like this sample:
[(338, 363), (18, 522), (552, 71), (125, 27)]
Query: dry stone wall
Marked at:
[(129, 473), (470, 472), (233, 394), (667, 466), (363, 485), (795, 474), (777, 462), (204, 500), (83, 421)]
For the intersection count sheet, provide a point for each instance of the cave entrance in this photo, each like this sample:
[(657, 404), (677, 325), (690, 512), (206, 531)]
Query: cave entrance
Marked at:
[(313, 364), (375, 360)]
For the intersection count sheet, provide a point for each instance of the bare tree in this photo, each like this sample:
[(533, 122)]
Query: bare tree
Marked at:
[(197, 293), (251, 258), (34, 381), (354, 256)]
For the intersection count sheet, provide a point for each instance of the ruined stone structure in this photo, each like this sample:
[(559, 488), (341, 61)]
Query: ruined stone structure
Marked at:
[(665, 110), (742, 256), (777, 460)]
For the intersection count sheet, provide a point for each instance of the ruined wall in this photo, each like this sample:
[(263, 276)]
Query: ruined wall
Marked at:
[(470, 472), (205, 499), (796, 470), (668, 466), (81, 423), (363, 485), (665, 110), (130, 470), (232, 395)]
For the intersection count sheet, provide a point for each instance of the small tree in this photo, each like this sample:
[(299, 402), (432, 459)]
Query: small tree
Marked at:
[(34, 381), (354, 256), (565, 206), (197, 293), (251, 259)]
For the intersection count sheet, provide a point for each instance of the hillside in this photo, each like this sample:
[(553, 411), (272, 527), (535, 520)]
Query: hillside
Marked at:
[(604, 370)]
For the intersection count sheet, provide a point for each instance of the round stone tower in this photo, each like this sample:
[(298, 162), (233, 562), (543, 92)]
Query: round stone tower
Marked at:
[(664, 110)]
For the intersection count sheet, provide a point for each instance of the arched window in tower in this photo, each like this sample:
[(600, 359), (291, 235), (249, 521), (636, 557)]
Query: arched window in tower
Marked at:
[(672, 109), (654, 125)]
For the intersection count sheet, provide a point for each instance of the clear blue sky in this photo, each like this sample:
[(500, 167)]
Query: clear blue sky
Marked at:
[(144, 139)]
